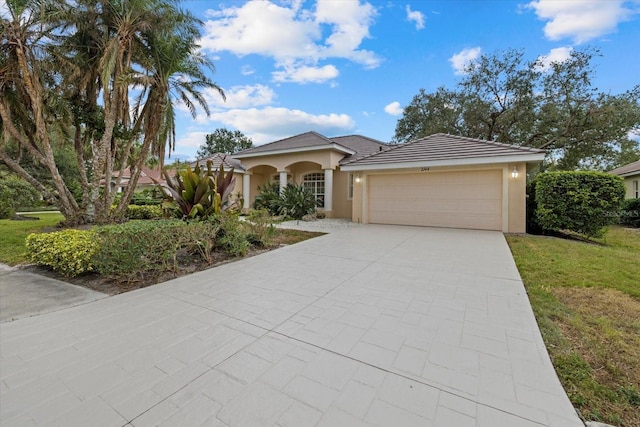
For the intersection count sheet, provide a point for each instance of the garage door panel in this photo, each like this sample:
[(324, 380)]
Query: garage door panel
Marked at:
[(444, 199)]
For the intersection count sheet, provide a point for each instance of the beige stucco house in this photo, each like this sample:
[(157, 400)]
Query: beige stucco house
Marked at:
[(631, 175), (439, 181)]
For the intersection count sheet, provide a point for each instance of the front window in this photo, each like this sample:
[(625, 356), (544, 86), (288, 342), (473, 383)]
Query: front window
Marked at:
[(635, 190), (314, 182)]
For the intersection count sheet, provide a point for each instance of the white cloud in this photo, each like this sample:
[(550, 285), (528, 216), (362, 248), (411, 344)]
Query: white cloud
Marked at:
[(274, 122), (305, 74), (192, 140), (580, 20), (243, 96), (393, 108), (292, 35), (415, 16), (247, 70), (461, 60), (555, 56)]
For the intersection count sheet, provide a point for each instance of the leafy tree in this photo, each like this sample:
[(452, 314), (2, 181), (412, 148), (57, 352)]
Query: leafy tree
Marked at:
[(224, 141), (15, 193), (505, 98), (68, 68)]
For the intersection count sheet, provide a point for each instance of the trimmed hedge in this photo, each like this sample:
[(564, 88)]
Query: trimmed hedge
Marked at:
[(584, 202), (70, 252), (144, 212)]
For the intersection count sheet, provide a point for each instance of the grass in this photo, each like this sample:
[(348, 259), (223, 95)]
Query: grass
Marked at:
[(12, 249), (586, 298)]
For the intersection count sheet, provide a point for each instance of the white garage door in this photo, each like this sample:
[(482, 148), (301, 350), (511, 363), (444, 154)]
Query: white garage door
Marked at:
[(437, 199)]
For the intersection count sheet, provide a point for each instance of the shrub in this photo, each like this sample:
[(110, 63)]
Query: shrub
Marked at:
[(144, 212), (231, 237), (261, 228), (532, 222), (584, 202), (197, 193), (16, 193), (70, 252), (268, 198), (148, 196), (630, 214), (140, 247), (297, 201)]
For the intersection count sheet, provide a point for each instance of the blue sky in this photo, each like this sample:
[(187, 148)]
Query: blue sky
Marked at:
[(343, 67)]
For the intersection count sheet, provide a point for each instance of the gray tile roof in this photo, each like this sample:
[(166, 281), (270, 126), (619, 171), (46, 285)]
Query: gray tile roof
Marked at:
[(443, 147), (218, 159), (630, 169), (308, 139), (362, 145)]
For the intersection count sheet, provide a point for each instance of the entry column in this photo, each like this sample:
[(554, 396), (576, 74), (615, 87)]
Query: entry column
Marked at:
[(328, 190), (246, 189), (283, 180)]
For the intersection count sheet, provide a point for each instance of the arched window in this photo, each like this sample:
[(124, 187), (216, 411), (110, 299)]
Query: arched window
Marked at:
[(314, 182)]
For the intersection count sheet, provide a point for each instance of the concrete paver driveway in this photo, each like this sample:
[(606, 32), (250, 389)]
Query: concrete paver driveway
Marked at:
[(373, 325)]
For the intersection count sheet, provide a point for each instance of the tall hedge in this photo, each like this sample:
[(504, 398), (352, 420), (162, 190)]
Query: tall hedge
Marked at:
[(584, 202)]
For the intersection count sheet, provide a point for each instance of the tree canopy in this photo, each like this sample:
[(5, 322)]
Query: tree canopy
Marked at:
[(69, 72), (503, 97), (223, 141)]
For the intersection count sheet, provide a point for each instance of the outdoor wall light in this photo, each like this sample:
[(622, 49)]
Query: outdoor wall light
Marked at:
[(514, 173), (358, 178)]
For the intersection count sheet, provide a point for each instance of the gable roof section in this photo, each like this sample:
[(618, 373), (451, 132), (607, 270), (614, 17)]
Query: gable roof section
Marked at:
[(627, 170), (362, 145), (445, 150), (309, 141), (220, 158)]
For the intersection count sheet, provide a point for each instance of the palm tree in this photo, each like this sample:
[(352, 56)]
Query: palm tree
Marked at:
[(68, 68), (174, 72)]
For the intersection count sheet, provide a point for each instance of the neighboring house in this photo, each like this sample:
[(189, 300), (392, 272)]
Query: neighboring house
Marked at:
[(440, 181), (631, 175), (145, 181)]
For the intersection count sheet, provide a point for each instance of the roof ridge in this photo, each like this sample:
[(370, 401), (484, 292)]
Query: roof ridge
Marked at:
[(390, 147), (487, 141), (361, 136), (282, 139)]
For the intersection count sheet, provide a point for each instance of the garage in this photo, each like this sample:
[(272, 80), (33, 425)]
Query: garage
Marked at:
[(465, 199), (444, 181)]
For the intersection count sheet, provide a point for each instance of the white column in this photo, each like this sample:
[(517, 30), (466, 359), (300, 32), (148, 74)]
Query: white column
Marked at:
[(328, 190), (283, 180), (246, 190)]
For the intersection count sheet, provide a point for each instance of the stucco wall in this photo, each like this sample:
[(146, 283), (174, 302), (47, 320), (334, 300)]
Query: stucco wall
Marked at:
[(341, 201), (628, 184)]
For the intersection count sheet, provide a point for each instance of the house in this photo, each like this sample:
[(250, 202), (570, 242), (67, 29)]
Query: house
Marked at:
[(145, 181), (631, 175), (440, 181)]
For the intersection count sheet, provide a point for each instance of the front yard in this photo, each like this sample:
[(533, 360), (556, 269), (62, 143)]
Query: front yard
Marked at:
[(586, 298)]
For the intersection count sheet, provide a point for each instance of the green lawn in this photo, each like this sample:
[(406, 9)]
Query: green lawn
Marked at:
[(12, 250), (586, 298)]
